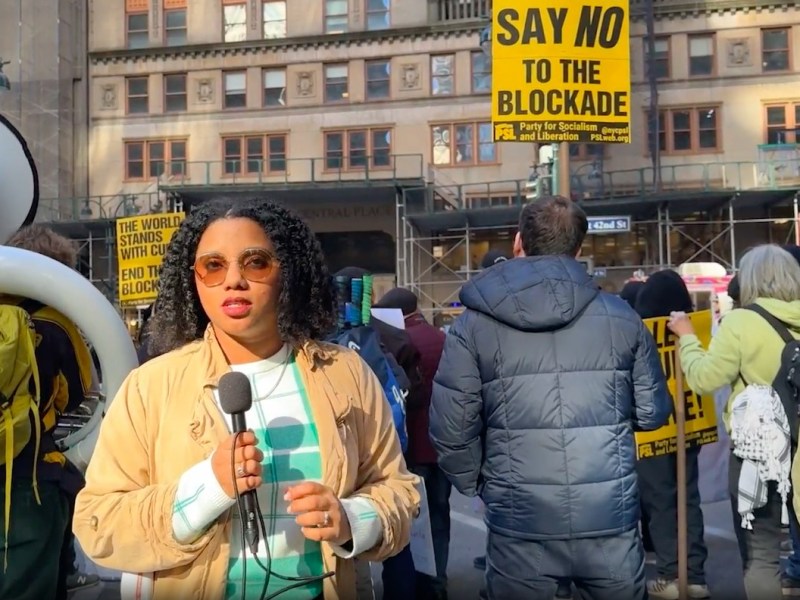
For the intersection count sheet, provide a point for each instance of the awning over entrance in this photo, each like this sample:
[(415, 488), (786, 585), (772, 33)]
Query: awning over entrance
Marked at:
[(296, 194)]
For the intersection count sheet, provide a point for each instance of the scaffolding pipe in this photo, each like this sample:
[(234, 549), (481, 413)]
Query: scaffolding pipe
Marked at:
[(399, 211), (468, 251), (731, 222), (654, 118), (660, 237), (668, 234), (796, 220)]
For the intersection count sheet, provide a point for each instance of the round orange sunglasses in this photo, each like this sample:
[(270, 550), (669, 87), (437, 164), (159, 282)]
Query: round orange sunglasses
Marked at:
[(255, 265)]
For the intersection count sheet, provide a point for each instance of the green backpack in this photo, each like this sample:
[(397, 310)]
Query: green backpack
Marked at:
[(19, 401)]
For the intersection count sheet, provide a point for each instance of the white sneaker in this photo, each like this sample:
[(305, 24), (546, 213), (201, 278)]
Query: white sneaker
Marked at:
[(698, 591), (664, 589), (668, 590)]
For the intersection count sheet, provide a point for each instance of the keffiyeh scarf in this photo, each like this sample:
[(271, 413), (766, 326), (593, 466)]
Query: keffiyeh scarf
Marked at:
[(761, 438)]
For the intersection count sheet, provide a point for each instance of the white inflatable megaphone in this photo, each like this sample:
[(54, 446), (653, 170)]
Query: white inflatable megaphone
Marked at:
[(19, 181), (32, 275)]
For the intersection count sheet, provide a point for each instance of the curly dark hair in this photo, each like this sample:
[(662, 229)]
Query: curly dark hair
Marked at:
[(307, 300)]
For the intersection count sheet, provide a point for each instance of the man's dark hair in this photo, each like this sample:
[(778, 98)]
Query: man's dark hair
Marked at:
[(552, 226), (306, 304)]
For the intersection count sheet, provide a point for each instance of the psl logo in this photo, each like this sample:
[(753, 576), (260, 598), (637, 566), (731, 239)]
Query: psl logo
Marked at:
[(504, 131)]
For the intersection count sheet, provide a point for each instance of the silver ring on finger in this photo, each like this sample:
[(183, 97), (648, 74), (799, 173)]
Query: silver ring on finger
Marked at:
[(326, 520), (240, 471)]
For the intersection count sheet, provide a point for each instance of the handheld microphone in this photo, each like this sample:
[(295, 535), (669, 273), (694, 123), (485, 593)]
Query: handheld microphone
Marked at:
[(236, 398)]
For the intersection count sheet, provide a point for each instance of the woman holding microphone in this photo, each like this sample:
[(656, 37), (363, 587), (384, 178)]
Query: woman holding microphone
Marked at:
[(244, 288)]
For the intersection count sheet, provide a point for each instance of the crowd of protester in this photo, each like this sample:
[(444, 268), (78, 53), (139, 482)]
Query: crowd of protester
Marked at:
[(530, 402)]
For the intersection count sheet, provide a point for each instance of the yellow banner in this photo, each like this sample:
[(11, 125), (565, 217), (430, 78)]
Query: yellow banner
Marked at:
[(141, 245), (561, 71), (701, 418)]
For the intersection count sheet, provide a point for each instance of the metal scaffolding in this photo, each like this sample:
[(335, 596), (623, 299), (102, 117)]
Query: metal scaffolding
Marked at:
[(671, 231), (96, 260)]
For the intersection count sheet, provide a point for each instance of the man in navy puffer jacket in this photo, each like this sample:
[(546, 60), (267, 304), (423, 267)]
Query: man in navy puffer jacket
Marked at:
[(541, 383)]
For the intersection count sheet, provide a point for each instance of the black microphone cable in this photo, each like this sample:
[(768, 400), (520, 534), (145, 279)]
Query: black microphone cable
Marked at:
[(298, 581)]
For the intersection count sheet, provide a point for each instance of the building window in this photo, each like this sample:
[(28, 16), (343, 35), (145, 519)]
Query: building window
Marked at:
[(481, 73), (175, 92), (336, 16), (137, 31), (175, 26), (461, 144), (274, 19), (254, 154), (442, 75), (587, 151), (661, 59), (234, 21), (274, 87), (358, 149), (336, 89), (138, 98), (688, 130), (775, 49), (378, 15), (783, 123), (150, 159), (701, 55), (378, 79), (236, 89)]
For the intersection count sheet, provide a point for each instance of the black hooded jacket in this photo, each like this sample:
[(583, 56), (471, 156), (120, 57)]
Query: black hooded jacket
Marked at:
[(542, 380)]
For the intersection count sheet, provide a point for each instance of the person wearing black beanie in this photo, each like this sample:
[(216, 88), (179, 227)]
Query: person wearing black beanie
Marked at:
[(734, 291), (493, 257), (399, 298), (665, 292), (630, 291)]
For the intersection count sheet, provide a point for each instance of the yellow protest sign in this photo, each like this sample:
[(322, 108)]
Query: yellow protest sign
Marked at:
[(141, 244), (561, 71), (701, 418)]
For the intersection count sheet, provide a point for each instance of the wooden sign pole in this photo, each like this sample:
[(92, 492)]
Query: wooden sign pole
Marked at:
[(680, 422)]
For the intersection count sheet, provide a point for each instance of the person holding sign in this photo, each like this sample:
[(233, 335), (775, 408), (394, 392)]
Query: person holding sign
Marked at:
[(542, 381), (665, 292), (747, 350)]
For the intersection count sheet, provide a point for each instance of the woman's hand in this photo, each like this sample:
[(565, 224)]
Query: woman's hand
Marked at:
[(680, 324), (319, 513), (247, 463)]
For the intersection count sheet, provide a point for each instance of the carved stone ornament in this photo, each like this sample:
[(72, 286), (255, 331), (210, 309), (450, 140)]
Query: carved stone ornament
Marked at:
[(108, 100), (739, 52), (305, 83), (205, 91), (410, 77)]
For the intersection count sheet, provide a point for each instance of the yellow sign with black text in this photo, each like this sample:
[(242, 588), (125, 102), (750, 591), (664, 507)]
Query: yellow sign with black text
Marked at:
[(701, 418), (141, 245), (561, 71)]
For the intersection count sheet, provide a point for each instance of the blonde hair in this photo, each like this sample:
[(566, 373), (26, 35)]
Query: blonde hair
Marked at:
[(768, 271), (45, 241)]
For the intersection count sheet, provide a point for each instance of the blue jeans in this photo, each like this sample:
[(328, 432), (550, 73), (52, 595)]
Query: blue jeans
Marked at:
[(793, 564), (399, 577)]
